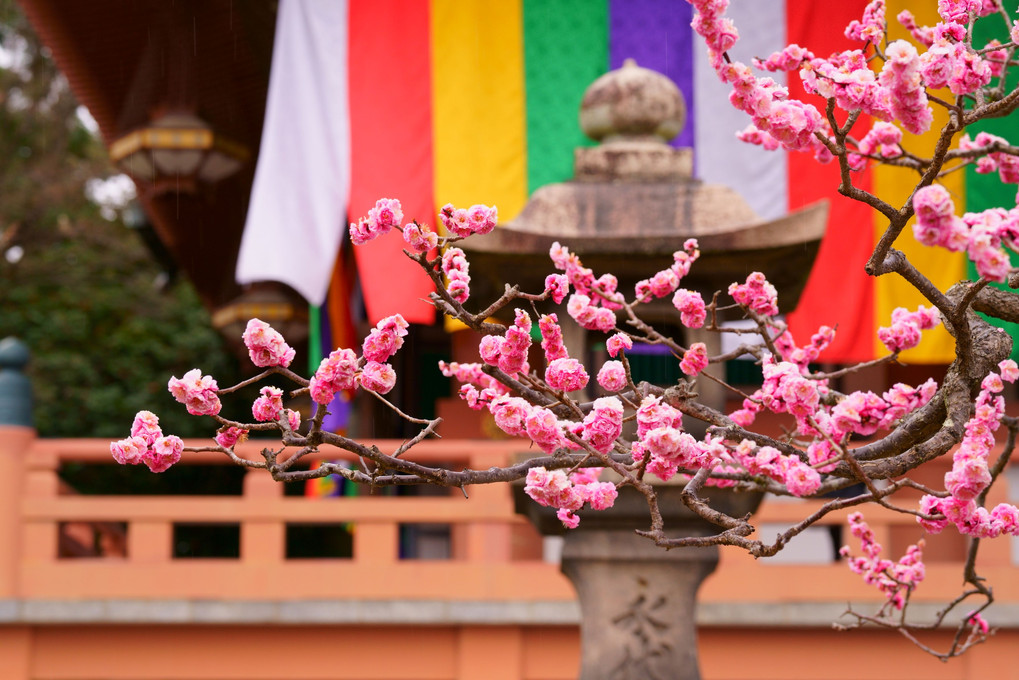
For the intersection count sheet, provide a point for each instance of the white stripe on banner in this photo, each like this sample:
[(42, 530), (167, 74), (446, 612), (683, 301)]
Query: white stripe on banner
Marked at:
[(298, 208), (759, 176)]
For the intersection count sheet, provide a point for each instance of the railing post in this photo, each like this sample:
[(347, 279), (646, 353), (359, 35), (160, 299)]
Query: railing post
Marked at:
[(16, 436), (262, 541)]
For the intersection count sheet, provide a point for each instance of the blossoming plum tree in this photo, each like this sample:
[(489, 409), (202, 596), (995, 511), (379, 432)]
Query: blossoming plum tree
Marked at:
[(892, 83)]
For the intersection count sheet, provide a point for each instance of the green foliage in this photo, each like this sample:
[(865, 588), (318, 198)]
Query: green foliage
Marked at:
[(104, 337)]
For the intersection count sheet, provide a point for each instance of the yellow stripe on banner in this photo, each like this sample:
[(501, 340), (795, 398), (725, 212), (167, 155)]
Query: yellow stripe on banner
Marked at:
[(894, 185), (478, 104)]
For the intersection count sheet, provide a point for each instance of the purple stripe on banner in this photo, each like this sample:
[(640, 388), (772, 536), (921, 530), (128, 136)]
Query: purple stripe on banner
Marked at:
[(657, 34)]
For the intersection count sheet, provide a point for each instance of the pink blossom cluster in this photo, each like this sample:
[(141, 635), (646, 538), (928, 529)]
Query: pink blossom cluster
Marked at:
[(695, 359), (789, 58), (228, 436), (552, 338), (846, 78), (996, 59), (904, 333), (798, 476), (872, 27), (377, 377), (456, 268), (196, 392), (936, 221), (386, 214), (566, 374), (864, 413), (593, 304), (785, 390), (791, 123), (718, 31), (603, 424), (803, 356), (479, 388), (666, 281), (589, 315), (894, 579), (602, 289), (1006, 164), (558, 286), (756, 294), (901, 76), (268, 408), (881, 140), (951, 64), (509, 351), (148, 445), (959, 11), (419, 237), (691, 307), (544, 429), (922, 34), (462, 222), (385, 339), (618, 342), (335, 373), (661, 440), (612, 376), (970, 474), (266, 346), (666, 448), (569, 492), (751, 135)]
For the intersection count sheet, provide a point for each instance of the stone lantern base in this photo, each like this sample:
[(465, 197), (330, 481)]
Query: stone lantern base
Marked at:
[(637, 600)]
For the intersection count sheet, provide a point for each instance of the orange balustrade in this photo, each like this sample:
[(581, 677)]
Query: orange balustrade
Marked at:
[(483, 526), (437, 610)]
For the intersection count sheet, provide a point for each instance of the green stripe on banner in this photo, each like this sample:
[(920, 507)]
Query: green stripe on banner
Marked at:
[(314, 338), (988, 191), (565, 49)]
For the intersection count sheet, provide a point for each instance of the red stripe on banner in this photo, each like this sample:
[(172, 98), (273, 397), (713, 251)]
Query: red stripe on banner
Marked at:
[(838, 290), (391, 145)]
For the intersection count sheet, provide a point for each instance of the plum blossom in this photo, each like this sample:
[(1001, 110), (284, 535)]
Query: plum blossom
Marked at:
[(694, 359), (456, 269), (377, 377), (604, 424), (552, 338), (566, 374), (691, 307), (896, 580), (618, 343), (385, 339), (756, 294), (148, 445), (227, 437), (266, 347), (269, 405), (386, 214), (462, 222), (196, 392), (335, 373), (612, 376), (419, 237)]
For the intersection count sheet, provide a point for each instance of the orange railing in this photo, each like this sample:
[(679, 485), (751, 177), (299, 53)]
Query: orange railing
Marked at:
[(494, 554)]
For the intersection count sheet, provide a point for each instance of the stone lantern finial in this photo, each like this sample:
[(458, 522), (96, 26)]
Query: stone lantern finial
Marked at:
[(634, 112)]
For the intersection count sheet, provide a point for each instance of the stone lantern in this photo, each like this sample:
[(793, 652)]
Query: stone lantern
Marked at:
[(633, 201)]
